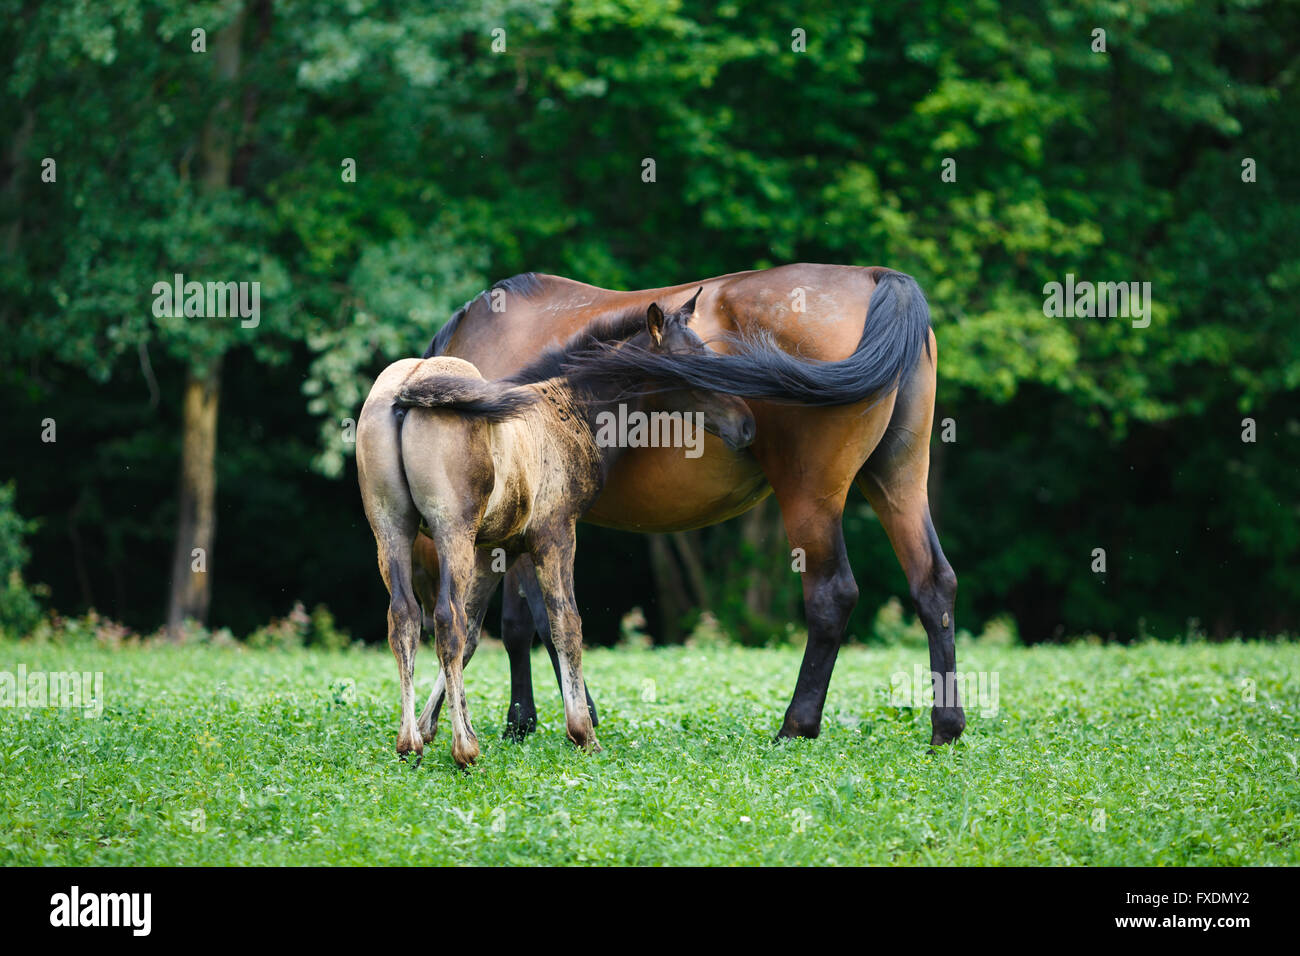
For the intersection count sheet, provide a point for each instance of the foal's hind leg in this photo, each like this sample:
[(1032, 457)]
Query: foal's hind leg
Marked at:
[(476, 602), (465, 583), (403, 635)]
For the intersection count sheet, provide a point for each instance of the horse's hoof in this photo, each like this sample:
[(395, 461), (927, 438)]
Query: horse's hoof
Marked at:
[(518, 730), (948, 724), (794, 727), (428, 735)]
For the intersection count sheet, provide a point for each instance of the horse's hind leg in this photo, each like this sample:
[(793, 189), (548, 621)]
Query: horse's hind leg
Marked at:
[(811, 470), (933, 586), (894, 480), (814, 525)]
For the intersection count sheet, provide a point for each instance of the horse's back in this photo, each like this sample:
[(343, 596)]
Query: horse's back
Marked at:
[(813, 310)]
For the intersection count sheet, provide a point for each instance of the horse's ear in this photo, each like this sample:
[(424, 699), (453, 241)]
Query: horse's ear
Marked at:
[(687, 312), (654, 323)]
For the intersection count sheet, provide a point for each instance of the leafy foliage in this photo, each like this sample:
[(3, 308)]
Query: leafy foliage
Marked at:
[(19, 602), (475, 162)]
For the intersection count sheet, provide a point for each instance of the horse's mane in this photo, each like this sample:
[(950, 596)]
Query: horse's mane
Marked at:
[(579, 358)]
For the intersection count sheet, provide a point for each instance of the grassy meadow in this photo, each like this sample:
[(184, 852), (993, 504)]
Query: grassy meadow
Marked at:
[(204, 754)]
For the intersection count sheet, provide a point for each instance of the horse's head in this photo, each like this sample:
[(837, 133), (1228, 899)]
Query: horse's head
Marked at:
[(726, 416)]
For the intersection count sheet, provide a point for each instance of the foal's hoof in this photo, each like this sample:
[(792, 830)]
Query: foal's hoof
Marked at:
[(465, 755), (408, 741), (406, 754), (584, 739), (427, 735)]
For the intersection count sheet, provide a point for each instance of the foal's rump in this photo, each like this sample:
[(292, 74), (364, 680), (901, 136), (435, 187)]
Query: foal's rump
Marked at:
[(439, 445), (379, 457), (411, 452), (456, 385)]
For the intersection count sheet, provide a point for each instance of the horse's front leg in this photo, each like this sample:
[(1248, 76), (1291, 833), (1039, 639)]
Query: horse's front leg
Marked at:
[(428, 722), (517, 630)]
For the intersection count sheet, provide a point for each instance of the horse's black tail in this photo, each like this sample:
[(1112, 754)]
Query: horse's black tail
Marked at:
[(896, 331), (490, 401)]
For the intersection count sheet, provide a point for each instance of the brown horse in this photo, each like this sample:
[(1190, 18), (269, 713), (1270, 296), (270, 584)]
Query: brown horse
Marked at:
[(496, 469), (877, 379)]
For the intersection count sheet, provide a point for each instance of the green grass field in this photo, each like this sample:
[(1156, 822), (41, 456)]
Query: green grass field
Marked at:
[(1104, 756)]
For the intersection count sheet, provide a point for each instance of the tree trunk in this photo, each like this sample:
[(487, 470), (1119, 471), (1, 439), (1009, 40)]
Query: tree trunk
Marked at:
[(217, 141), (197, 497), (197, 521), (670, 589), (687, 544), (16, 174), (761, 533)]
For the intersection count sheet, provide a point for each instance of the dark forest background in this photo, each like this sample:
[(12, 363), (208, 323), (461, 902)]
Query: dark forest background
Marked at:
[(492, 138)]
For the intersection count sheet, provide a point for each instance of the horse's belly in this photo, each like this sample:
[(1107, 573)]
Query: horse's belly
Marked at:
[(660, 489)]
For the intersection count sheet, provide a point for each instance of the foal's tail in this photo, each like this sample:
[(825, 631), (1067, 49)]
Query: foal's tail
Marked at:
[(490, 401), (897, 329)]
